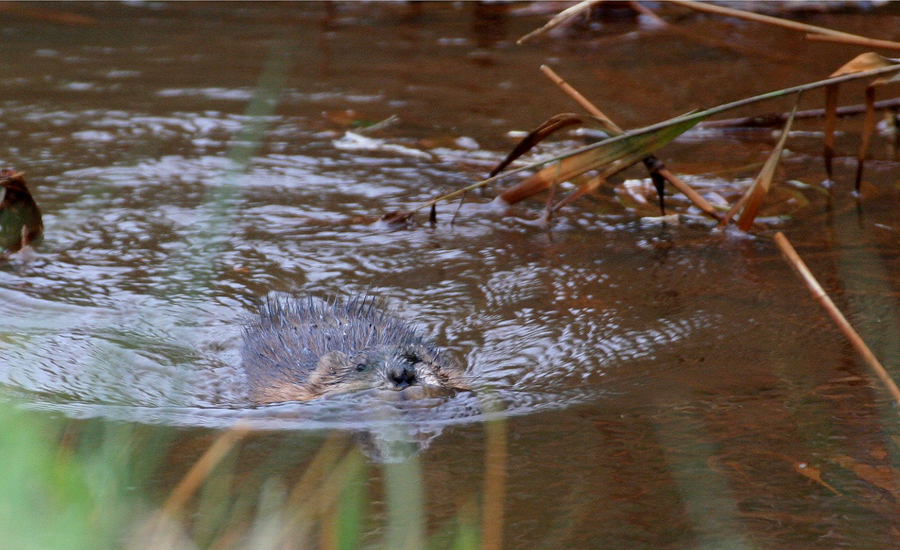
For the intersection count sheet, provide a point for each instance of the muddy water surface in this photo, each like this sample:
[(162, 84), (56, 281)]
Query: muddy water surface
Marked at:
[(659, 386)]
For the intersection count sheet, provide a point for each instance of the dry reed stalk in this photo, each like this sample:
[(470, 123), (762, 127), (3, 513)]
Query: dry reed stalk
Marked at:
[(580, 99), (657, 165), (299, 501), (623, 147), (496, 457), (327, 499), (854, 40), (559, 19), (779, 22), (162, 530), (819, 293), (201, 469)]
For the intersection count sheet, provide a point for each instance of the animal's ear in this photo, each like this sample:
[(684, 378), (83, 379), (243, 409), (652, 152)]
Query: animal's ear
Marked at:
[(328, 367)]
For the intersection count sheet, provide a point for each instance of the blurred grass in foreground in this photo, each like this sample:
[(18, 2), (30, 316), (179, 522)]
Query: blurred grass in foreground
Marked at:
[(96, 484)]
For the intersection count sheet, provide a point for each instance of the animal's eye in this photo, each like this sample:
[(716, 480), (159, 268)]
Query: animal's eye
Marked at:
[(360, 367), (412, 357)]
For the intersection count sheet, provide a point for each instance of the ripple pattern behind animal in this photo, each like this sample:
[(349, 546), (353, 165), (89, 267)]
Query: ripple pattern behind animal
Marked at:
[(301, 348)]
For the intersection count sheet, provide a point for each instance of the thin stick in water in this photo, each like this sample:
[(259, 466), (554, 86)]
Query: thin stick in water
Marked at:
[(818, 32), (855, 41), (794, 259)]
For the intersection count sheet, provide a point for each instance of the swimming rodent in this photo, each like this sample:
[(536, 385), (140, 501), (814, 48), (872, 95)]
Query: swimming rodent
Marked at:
[(301, 348)]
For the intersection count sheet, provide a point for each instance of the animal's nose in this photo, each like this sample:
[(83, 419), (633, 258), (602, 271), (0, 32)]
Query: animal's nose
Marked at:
[(403, 375)]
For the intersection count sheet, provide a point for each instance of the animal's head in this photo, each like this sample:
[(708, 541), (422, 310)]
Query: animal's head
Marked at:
[(384, 367)]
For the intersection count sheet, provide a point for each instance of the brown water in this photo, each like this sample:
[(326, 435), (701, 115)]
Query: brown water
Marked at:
[(663, 386)]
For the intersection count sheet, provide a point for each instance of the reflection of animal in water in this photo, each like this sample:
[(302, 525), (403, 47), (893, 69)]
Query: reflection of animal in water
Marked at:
[(301, 348)]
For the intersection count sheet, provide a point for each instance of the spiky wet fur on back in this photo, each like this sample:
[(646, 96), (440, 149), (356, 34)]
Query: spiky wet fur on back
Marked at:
[(299, 348)]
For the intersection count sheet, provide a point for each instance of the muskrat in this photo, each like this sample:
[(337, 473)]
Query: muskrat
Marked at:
[(302, 347)]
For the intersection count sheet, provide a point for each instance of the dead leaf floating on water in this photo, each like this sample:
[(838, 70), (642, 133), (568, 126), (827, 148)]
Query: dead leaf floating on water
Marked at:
[(20, 217), (814, 474)]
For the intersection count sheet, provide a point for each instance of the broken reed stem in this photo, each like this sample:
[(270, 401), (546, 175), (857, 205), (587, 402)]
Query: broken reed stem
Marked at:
[(797, 263), (779, 22), (580, 99), (854, 41), (659, 166), (559, 19), (689, 192)]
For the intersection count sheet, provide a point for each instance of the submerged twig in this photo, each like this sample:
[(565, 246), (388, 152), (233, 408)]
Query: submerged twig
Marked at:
[(775, 119), (855, 340), (380, 125)]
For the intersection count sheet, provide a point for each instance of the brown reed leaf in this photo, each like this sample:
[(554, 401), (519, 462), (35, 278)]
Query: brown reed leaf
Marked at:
[(750, 201), (763, 182), (624, 152), (542, 132)]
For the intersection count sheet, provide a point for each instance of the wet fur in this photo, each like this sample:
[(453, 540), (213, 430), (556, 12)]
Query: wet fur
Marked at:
[(300, 348)]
